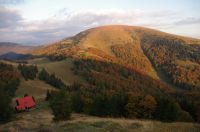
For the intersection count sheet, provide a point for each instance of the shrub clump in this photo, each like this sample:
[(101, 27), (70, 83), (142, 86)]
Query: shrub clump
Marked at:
[(60, 103)]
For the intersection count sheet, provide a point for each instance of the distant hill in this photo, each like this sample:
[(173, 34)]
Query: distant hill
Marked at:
[(6, 47), (15, 56)]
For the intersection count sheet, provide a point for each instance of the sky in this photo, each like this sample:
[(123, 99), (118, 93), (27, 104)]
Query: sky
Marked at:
[(36, 22)]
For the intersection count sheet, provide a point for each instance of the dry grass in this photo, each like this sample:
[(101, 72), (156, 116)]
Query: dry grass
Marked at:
[(38, 61), (62, 69), (186, 63), (102, 38), (35, 88), (41, 120), (38, 88)]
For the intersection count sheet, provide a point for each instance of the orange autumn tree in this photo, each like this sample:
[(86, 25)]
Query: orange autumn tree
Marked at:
[(141, 106)]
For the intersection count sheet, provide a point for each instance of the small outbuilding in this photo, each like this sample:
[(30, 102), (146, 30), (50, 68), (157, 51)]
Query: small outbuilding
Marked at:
[(25, 103)]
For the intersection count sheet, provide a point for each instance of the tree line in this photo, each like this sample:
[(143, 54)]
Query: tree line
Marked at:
[(110, 90), (81, 98), (51, 79), (116, 91), (28, 71), (178, 60), (9, 81)]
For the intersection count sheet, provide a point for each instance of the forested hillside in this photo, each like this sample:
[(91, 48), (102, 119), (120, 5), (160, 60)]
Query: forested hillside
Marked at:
[(147, 50), (119, 71), (178, 59), (135, 60)]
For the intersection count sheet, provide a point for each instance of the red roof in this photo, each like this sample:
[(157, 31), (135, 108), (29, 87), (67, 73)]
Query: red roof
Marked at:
[(25, 103)]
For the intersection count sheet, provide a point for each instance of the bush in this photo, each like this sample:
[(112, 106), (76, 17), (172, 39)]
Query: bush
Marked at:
[(169, 110), (6, 111), (60, 104), (48, 95), (189, 105), (9, 81), (185, 116), (51, 79), (141, 106), (28, 71), (77, 102)]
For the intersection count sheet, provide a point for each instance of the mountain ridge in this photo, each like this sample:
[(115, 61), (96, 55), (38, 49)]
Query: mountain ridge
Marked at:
[(141, 48), (6, 47), (171, 58)]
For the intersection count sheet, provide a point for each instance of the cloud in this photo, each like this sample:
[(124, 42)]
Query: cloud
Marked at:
[(8, 2), (100, 17), (9, 17), (66, 23), (188, 20)]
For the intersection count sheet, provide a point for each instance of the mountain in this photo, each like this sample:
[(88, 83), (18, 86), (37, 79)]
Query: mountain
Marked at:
[(6, 47), (113, 71), (15, 56), (170, 58)]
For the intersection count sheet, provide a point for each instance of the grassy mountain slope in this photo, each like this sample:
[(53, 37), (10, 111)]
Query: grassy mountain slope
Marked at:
[(38, 88), (144, 49), (62, 69), (109, 60), (35, 88)]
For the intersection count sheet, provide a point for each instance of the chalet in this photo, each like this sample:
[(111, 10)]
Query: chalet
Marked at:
[(25, 103)]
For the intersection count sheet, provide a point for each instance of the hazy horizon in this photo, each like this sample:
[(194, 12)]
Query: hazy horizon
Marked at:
[(37, 22)]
